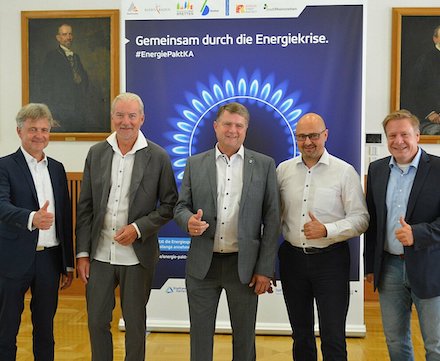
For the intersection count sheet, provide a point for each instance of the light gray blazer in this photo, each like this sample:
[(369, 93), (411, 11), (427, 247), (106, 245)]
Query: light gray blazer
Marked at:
[(259, 214), (153, 194)]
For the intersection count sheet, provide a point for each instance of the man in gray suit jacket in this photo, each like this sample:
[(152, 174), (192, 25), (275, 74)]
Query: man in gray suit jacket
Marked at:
[(128, 192), (229, 204)]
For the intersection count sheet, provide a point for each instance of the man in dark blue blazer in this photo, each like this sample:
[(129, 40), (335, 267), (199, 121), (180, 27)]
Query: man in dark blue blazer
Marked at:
[(402, 251), (35, 235)]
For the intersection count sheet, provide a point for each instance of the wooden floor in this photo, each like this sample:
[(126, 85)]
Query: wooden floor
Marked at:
[(72, 339)]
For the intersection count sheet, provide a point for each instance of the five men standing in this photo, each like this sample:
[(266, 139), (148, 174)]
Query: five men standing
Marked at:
[(229, 204)]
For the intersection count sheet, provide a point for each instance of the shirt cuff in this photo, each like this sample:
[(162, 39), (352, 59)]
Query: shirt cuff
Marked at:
[(332, 230), (69, 269), (82, 254), (137, 230), (30, 220)]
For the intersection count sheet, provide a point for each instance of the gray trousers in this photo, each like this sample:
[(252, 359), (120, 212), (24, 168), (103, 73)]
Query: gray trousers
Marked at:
[(203, 299), (135, 285)]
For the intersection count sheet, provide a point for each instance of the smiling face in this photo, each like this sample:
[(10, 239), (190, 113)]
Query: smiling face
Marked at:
[(34, 135), (402, 140), (311, 124), (127, 119), (230, 130)]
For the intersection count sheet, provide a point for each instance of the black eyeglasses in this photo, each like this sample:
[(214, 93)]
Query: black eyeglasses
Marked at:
[(311, 136)]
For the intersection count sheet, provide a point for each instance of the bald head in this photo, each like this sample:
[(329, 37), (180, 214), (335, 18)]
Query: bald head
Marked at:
[(311, 135), (311, 118)]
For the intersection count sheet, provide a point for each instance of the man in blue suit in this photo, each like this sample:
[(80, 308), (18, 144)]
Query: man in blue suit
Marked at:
[(402, 251), (229, 204), (35, 234)]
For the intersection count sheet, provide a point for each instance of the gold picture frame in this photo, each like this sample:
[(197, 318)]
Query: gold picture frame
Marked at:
[(77, 86), (412, 43)]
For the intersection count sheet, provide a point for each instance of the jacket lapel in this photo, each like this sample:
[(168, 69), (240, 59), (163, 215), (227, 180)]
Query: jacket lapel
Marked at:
[(141, 160), (21, 161), (212, 174), (106, 169), (248, 168), (422, 172)]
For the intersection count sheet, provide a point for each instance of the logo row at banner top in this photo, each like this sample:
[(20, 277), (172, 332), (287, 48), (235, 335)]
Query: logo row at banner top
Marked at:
[(193, 9), (198, 9)]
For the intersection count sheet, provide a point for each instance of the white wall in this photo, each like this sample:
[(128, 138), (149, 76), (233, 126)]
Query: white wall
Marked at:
[(72, 154)]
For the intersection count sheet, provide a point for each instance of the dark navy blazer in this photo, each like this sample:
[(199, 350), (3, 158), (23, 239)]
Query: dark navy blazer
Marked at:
[(18, 198), (422, 260)]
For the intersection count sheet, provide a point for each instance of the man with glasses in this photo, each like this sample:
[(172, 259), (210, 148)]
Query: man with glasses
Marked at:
[(322, 205)]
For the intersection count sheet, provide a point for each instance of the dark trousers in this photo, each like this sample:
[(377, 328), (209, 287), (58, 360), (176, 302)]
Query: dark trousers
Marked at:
[(203, 298), (43, 279), (134, 285), (323, 277)]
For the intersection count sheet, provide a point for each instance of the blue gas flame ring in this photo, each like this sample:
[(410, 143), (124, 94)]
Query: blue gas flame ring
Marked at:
[(253, 90)]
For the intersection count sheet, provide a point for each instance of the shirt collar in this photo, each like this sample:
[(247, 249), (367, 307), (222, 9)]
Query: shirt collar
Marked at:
[(218, 153), (141, 143), (30, 159), (67, 51), (414, 163)]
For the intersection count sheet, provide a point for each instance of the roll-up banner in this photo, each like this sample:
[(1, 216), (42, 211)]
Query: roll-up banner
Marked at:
[(280, 59)]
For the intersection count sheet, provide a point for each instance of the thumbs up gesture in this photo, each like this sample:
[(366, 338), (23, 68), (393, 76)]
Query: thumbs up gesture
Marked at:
[(196, 226), (42, 218), (404, 234), (314, 229)]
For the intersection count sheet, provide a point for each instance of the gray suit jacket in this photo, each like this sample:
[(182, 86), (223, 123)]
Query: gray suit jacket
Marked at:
[(153, 194), (259, 214)]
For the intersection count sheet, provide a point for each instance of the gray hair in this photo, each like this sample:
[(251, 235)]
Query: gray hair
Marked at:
[(128, 97), (35, 111)]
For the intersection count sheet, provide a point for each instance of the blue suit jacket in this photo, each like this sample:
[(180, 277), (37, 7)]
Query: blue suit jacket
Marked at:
[(18, 198), (259, 214), (422, 260)]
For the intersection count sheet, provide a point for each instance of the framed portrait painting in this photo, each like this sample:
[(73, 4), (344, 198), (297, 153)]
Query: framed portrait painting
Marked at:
[(70, 62), (415, 67)]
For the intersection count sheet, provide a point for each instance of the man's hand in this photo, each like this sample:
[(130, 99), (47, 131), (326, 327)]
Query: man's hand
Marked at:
[(370, 277), (42, 218), (126, 235), (404, 234), (196, 226), (261, 284), (314, 229), (433, 117), (66, 280), (83, 268)]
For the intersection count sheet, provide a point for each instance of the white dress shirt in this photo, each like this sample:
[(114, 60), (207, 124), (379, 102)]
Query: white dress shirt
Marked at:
[(43, 186), (229, 187), (116, 215), (331, 190)]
